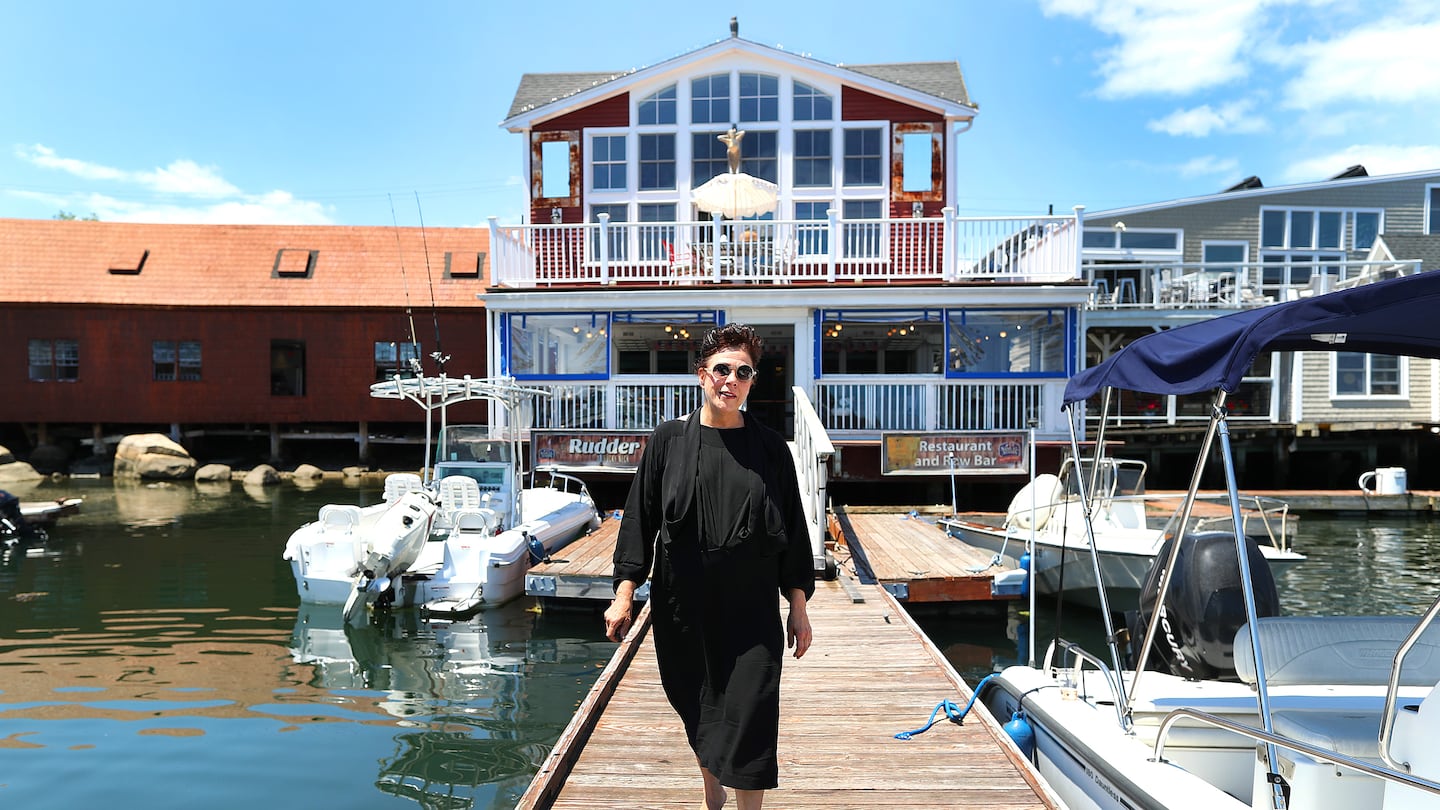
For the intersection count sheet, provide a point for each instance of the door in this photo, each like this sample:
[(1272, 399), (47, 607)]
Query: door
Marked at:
[(772, 398)]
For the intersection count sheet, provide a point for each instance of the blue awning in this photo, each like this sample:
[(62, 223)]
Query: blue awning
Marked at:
[(1400, 317)]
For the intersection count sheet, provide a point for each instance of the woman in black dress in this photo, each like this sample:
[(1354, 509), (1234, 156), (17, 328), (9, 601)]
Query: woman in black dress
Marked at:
[(715, 507)]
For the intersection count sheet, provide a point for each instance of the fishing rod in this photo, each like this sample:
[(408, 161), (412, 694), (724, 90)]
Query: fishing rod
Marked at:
[(439, 356), (405, 285)]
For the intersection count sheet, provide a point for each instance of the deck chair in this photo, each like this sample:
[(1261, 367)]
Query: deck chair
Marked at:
[(397, 484), (683, 267)]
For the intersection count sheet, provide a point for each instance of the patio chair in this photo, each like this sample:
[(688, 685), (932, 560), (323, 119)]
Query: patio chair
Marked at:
[(684, 268)]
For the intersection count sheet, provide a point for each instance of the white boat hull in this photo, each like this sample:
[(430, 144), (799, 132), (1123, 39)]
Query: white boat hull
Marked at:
[(329, 557), (1123, 571)]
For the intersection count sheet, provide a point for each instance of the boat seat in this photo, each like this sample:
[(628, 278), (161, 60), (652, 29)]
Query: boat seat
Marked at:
[(1337, 650), (340, 517), (459, 493), (476, 521), (1353, 733), (397, 484)]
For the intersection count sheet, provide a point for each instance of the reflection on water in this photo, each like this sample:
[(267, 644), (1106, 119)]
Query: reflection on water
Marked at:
[(154, 655)]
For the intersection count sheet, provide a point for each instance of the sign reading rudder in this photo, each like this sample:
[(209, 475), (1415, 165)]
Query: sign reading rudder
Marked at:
[(591, 449), (983, 453)]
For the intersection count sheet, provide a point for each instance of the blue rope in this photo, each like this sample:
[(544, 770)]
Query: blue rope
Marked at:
[(952, 711)]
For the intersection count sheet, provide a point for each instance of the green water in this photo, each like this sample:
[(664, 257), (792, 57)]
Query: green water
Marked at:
[(155, 655)]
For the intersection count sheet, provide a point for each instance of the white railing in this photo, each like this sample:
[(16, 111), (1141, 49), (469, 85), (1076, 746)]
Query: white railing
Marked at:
[(946, 248), (849, 406), (813, 451), (853, 406), (1228, 285)]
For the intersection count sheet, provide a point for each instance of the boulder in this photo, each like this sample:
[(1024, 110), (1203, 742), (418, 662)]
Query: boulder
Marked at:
[(17, 472), (213, 472), (353, 472), (262, 476), (47, 458), (307, 472), (152, 456), (6, 457)]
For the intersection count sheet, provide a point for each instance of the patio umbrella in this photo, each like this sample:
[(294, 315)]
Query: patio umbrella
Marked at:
[(736, 195)]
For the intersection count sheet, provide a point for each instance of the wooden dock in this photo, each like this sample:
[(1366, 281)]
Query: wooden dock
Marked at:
[(917, 562), (870, 674), (582, 570)]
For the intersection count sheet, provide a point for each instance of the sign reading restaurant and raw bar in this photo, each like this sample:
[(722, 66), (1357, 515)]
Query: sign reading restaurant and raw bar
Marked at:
[(978, 453), (609, 450)]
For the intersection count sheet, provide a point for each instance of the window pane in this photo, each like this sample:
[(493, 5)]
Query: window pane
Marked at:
[(1099, 239), (1384, 375), (1224, 253), (1349, 373), (658, 108), (558, 345), (555, 169), (862, 157), (812, 158), (1433, 209), (67, 360), (42, 361), (1006, 342), (812, 104), (812, 240), (1367, 227), (1272, 229), (608, 162), (1148, 240), (860, 239), (708, 156), (1330, 229), (287, 368), (617, 232), (759, 155), (710, 99), (657, 162), (759, 97), (1302, 229), (162, 354), (919, 162), (881, 343)]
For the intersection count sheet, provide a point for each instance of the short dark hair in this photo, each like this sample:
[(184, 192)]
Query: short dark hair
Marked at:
[(727, 337)]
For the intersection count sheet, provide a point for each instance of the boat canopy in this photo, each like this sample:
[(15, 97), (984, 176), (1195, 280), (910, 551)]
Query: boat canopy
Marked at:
[(1399, 316)]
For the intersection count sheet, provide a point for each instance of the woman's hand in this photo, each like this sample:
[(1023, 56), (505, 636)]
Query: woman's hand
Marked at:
[(797, 625), (617, 616)]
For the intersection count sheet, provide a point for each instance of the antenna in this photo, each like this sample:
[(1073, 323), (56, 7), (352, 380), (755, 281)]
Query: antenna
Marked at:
[(439, 356), (405, 285)]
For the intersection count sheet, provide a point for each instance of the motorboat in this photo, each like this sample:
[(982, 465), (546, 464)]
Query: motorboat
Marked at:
[(1207, 697), (46, 513), (1130, 525), (458, 537)]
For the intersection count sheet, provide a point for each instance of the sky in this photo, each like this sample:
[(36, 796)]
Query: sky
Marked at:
[(370, 113)]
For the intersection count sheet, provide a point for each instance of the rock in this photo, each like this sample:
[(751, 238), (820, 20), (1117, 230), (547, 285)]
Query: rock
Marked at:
[(152, 456), (262, 476), (47, 458), (18, 471), (95, 466), (307, 472), (353, 472), (6, 457), (214, 472)]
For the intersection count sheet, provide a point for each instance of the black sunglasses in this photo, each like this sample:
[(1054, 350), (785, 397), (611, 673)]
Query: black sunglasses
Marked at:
[(723, 370)]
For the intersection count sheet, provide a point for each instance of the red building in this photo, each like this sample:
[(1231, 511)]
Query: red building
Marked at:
[(208, 331)]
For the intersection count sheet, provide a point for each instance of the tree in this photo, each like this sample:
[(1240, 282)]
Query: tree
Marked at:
[(66, 216)]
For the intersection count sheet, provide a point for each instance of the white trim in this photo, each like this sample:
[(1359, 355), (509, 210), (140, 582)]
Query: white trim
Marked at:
[(1346, 183), (734, 46)]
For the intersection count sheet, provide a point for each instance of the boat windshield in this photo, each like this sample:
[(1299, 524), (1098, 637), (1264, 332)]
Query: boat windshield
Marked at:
[(1118, 477), (472, 443)]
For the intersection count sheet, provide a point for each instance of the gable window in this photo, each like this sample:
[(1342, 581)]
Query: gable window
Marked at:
[(287, 368), (175, 360), (707, 156), (710, 99), (759, 154), (570, 345), (54, 360), (394, 360), (658, 107), (812, 166), (657, 162), (759, 97), (1367, 375), (863, 157), (616, 233), (811, 104), (607, 163)]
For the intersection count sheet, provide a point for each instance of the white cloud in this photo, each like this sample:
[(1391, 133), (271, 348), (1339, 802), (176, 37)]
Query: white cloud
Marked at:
[(204, 196), (1376, 158), (1207, 166), (1172, 47), (1198, 122), (1392, 62)]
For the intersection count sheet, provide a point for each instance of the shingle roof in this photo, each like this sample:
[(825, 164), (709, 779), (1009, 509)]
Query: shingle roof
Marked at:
[(79, 262), (942, 80), (1424, 248)]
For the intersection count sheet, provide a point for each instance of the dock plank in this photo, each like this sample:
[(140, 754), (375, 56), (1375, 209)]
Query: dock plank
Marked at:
[(871, 673), (916, 553)]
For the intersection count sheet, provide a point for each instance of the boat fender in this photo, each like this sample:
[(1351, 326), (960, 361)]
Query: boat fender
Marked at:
[(537, 549), (1043, 493), (1025, 566), (1021, 733)]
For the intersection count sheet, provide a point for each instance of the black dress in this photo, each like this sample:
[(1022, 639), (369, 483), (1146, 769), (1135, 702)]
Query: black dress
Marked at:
[(718, 513)]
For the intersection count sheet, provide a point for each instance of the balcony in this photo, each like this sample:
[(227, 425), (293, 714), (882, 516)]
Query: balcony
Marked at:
[(1228, 285), (946, 249), (849, 407)]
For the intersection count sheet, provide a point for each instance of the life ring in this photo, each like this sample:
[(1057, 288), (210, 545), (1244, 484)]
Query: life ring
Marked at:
[(1041, 495)]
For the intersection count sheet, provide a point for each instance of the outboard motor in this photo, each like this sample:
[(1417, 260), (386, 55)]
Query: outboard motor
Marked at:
[(13, 527), (1204, 608)]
